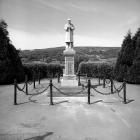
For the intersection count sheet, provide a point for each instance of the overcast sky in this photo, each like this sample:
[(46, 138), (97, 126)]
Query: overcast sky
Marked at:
[(38, 24)]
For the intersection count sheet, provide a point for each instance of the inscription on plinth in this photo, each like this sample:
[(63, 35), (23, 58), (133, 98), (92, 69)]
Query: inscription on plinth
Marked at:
[(69, 65)]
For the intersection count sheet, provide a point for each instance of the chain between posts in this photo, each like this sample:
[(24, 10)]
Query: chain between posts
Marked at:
[(76, 93), (122, 87)]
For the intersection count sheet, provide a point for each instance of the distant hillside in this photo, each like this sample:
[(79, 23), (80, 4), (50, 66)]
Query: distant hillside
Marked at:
[(50, 54)]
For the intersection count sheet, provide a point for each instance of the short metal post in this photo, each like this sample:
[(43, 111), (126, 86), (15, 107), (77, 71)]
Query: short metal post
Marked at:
[(39, 78), (51, 94), (15, 92), (99, 81), (58, 78), (89, 85), (26, 83), (79, 83), (111, 80), (124, 92), (34, 81), (86, 78), (104, 82)]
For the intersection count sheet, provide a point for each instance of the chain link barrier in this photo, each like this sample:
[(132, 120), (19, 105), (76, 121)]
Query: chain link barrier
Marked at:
[(24, 89), (30, 83), (77, 93), (107, 81), (21, 89), (40, 91), (107, 93), (118, 91), (87, 89)]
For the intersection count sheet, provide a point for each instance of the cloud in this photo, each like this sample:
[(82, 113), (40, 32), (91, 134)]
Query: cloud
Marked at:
[(57, 5), (131, 21), (25, 40), (84, 8), (96, 41)]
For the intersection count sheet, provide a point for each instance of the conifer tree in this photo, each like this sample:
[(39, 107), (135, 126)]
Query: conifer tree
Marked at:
[(134, 70), (125, 58), (10, 63)]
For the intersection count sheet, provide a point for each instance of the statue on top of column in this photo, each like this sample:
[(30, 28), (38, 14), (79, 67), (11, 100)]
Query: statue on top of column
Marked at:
[(69, 28)]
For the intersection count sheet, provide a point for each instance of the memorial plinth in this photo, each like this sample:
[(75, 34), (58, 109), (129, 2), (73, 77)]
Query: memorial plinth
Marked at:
[(69, 78)]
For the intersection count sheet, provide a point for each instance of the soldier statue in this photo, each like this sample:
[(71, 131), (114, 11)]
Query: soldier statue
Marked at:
[(69, 28)]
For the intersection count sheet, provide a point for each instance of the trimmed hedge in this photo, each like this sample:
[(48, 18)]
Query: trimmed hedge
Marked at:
[(46, 70), (96, 69)]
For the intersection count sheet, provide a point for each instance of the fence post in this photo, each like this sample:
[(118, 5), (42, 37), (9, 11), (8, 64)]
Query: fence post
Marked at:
[(26, 83), (15, 92), (104, 82), (39, 78), (79, 83), (86, 78), (111, 80), (124, 92), (89, 84), (51, 96), (34, 81), (58, 78), (99, 82)]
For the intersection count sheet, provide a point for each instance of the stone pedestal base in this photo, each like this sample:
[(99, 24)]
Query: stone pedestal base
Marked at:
[(69, 78), (69, 81)]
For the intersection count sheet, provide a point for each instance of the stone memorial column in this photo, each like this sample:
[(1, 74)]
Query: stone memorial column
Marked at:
[(69, 78)]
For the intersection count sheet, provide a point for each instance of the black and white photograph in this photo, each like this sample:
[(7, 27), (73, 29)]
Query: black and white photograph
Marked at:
[(69, 69)]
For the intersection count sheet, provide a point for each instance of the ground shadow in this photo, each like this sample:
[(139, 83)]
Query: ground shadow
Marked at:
[(24, 102), (111, 102), (96, 101), (31, 100), (55, 103), (41, 137), (129, 101)]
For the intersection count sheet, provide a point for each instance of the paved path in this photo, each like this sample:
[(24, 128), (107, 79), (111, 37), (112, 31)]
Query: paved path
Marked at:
[(71, 118)]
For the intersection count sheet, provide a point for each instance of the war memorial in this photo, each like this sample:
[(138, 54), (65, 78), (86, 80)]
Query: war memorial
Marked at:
[(69, 77)]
